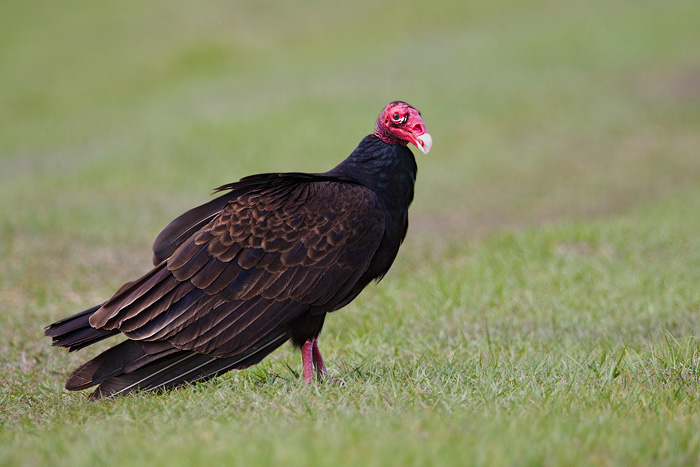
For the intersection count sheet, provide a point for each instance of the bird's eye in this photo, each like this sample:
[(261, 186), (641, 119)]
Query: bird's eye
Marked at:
[(396, 116)]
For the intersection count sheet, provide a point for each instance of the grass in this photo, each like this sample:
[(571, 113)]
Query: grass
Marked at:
[(544, 309)]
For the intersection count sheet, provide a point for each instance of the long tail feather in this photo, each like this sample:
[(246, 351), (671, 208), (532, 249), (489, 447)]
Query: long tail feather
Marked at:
[(75, 331), (122, 358), (155, 366)]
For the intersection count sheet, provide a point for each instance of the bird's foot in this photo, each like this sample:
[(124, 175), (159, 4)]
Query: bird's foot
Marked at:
[(312, 361)]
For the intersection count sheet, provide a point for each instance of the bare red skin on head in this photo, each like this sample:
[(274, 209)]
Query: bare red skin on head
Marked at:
[(400, 123)]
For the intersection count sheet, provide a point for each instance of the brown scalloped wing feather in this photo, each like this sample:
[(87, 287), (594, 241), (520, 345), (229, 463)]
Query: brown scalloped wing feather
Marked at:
[(270, 255)]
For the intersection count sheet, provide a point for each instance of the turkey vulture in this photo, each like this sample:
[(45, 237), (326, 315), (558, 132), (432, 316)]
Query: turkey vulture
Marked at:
[(263, 263)]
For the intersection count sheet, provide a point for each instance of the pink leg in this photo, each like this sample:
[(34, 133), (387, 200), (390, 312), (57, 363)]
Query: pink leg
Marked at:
[(311, 360), (319, 366), (307, 361)]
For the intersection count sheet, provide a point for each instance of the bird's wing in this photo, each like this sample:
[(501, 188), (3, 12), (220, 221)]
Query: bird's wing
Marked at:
[(271, 254), (185, 225)]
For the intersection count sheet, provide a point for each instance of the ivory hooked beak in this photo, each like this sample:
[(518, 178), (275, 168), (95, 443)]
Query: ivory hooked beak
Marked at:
[(425, 142)]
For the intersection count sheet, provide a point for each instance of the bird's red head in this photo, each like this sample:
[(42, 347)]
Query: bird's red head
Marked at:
[(399, 123)]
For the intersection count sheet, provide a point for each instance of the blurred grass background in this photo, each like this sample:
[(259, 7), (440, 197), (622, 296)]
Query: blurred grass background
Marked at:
[(547, 292)]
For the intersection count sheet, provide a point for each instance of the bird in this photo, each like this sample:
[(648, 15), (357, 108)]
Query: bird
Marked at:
[(262, 263)]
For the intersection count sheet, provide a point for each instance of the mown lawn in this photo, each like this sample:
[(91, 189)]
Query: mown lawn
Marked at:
[(545, 308)]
